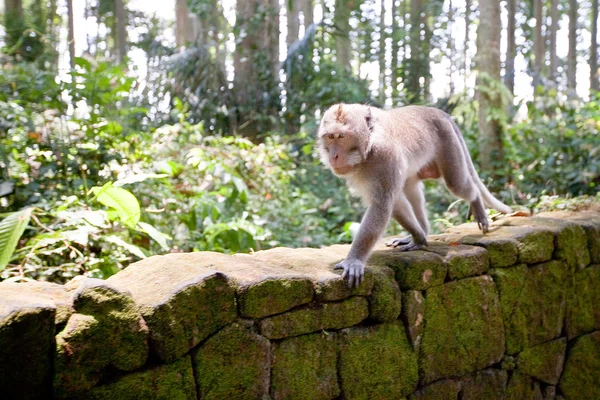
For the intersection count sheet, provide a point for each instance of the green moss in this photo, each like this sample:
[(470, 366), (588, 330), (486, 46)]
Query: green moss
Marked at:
[(233, 364), (26, 345), (519, 387), (168, 382), (544, 361), (581, 376), (415, 270), (274, 296), (446, 389), (105, 332), (377, 362), (315, 318), (583, 298), (337, 289), (532, 302), (502, 251), (413, 315), (463, 329), (489, 384), (304, 367), (535, 246), (385, 301)]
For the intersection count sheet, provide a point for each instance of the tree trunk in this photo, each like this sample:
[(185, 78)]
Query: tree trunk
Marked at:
[(121, 39), (572, 56), (491, 152), (306, 7), (293, 22), (395, 48), (553, 32), (256, 64), (71, 33), (341, 20), (538, 43), (511, 48), (381, 60), (181, 22), (594, 72), (413, 75), (467, 64), (451, 48)]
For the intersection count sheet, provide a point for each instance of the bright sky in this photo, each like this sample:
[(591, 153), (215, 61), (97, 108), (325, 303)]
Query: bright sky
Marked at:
[(439, 85)]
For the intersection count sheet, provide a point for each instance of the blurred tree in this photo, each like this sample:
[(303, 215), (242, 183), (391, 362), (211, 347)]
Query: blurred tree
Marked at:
[(572, 56), (594, 71), (71, 33), (120, 31), (511, 46), (552, 74), (538, 43), (341, 22)]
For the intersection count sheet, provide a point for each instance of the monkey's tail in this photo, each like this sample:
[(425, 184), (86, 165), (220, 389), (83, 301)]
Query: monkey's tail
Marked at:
[(488, 199)]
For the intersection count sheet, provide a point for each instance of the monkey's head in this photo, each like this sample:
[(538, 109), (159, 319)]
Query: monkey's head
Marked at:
[(344, 137)]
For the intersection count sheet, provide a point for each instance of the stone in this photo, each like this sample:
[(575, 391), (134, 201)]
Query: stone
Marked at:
[(317, 266), (165, 382), (570, 240), (305, 368), (26, 344), (106, 332), (463, 329), (519, 387), (415, 270), (544, 361), (463, 261), (182, 301), (583, 298), (581, 376), (233, 364), (488, 384), (447, 389), (533, 303), (385, 301), (413, 312), (315, 318), (502, 247), (377, 362)]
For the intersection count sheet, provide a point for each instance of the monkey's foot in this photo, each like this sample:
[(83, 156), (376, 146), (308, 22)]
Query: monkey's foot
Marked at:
[(412, 246), (399, 241), (354, 270)]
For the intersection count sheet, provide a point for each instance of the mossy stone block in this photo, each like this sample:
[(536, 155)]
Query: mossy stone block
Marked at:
[(463, 261), (488, 384), (583, 300), (520, 387), (413, 312), (26, 345), (581, 377), (182, 300), (166, 382), (415, 270), (273, 296), (316, 317), (533, 303), (305, 368), (447, 389), (463, 329), (377, 362), (105, 333), (233, 364), (544, 361), (385, 301)]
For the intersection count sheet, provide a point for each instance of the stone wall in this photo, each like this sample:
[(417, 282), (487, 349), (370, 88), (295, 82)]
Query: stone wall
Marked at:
[(514, 314)]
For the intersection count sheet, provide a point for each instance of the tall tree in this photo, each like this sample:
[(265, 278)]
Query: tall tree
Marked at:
[(572, 55), (414, 64), (382, 51), (511, 48), (256, 64), (121, 23), (293, 22), (306, 6), (553, 33), (181, 22), (71, 33), (341, 20), (467, 64), (538, 42), (594, 71), (395, 34), (491, 152)]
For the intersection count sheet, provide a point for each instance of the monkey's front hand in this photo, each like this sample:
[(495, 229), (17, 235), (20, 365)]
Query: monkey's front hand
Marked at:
[(354, 270)]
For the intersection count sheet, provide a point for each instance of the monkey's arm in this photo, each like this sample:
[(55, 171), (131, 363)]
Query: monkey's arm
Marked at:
[(371, 228)]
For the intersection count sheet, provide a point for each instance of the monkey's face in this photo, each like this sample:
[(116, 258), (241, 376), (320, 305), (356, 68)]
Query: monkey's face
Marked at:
[(342, 149)]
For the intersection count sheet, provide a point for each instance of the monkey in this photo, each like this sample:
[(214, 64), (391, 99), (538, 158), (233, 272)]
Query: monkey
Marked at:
[(383, 155)]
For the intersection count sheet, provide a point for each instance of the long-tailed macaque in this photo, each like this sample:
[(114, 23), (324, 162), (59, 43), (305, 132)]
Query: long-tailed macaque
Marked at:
[(383, 156)]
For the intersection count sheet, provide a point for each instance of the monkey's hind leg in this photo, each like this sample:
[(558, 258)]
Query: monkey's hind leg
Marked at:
[(403, 213), (413, 190), (478, 211)]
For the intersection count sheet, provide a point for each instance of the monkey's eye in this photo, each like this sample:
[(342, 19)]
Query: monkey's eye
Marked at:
[(331, 136), (341, 135), (353, 148)]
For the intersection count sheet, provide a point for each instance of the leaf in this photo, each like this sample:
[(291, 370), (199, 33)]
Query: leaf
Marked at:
[(122, 201), (133, 249), (138, 178), (11, 229), (155, 234)]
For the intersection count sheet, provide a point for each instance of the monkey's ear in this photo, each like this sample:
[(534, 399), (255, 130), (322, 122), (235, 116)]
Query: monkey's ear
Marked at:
[(369, 119)]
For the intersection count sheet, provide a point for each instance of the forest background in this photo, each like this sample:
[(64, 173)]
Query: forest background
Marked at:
[(132, 128)]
